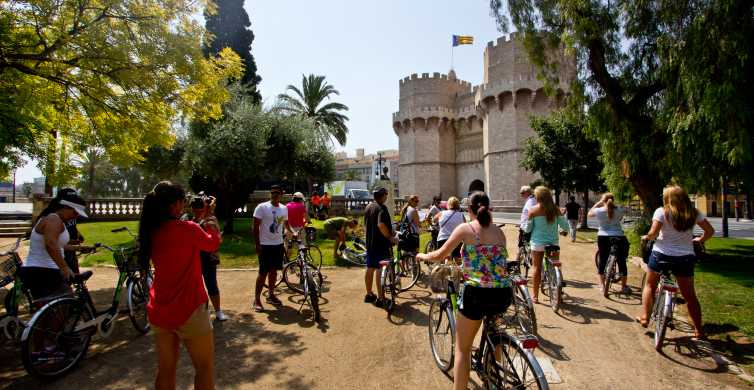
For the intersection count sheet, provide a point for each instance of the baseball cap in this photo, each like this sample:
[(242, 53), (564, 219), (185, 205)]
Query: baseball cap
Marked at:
[(298, 195), (276, 187)]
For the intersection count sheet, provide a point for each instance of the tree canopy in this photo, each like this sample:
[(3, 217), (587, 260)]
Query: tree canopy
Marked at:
[(107, 73), (309, 101), (230, 27), (562, 154), (668, 85)]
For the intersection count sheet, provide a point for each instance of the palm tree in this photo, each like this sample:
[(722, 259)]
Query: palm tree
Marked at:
[(308, 101)]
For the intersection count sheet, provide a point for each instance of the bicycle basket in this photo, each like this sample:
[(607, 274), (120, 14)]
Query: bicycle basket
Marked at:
[(9, 265), (127, 258), (438, 280)]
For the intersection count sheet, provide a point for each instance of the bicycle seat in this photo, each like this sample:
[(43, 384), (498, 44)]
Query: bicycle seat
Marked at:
[(552, 248), (82, 277)]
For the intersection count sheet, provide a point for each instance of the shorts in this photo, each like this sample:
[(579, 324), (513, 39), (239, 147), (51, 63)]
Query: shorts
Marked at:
[(198, 324), (538, 248), (43, 282), (476, 303), (209, 272), (456, 251), (373, 261), (680, 266), (271, 258)]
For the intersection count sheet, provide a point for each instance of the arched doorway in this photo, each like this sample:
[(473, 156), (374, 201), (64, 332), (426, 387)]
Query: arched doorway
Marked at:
[(476, 185)]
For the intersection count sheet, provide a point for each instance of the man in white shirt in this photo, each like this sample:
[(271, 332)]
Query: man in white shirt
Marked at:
[(530, 201), (270, 218)]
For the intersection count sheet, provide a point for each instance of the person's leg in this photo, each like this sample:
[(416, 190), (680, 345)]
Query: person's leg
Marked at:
[(166, 344), (215, 299), (466, 330), (647, 295), (260, 286), (572, 223), (271, 279), (368, 280), (536, 266), (603, 247), (201, 349), (622, 262), (686, 285)]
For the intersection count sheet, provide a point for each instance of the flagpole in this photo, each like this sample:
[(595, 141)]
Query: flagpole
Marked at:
[(451, 57)]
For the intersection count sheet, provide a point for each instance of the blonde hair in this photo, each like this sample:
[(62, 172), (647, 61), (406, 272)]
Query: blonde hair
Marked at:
[(678, 208), (411, 199), (610, 204), (544, 198), (454, 203)]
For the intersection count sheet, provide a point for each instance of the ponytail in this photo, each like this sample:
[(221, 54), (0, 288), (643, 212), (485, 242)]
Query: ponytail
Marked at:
[(610, 204), (479, 204)]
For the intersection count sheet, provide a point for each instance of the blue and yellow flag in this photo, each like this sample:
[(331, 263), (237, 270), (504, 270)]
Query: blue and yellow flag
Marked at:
[(462, 40)]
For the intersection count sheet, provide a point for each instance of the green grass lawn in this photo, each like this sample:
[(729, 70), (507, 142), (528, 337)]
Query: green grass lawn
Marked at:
[(236, 251), (725, 286)]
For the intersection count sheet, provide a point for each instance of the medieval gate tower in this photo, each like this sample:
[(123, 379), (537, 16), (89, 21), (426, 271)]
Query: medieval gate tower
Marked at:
[(455, 137)]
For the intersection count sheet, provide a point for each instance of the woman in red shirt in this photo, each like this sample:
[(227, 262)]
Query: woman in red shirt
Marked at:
[(177, 307)]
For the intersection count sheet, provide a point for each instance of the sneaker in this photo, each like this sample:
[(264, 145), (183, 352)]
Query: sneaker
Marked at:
[(379, 302), (220, 316), (369, 298), (273, 300)]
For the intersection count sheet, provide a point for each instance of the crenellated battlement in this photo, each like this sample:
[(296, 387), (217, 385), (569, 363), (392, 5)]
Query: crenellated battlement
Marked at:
[(436, 76)]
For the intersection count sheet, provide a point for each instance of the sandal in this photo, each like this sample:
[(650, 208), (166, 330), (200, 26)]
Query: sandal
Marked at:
[(700, 336), (258, 307), (273, 300), (643, 322)]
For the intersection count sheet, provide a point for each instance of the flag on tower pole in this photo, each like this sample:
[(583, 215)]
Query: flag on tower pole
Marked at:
[(460, 40)]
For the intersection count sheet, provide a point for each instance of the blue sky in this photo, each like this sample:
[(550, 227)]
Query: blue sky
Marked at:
[(363, 48)]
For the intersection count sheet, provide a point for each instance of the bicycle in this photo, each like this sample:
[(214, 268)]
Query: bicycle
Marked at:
[(524, 257), (309, 281), (393, 271), (356, 255), (611, 275), (410, 269), (501, 361), (314, 254), (58, 335), (664, 304), (11, 323), (523, 305), (552, 277)]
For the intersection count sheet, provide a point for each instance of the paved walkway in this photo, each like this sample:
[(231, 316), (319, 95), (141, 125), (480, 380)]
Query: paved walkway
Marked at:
[(592, 344)]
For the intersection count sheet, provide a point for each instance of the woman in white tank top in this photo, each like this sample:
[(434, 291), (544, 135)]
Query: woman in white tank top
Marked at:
[(45, 271)]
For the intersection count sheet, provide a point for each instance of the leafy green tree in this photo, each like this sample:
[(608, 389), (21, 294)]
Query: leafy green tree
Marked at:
[(230, 27), (667, 84), (563, 155), (112, 74), (309, 101)]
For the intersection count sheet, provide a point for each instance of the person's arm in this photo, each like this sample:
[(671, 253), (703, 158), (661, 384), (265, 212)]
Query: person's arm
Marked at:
[(415, 218), (455, 238), (207, 239), (708, 230), (385, 230), (437, 217), (593, 211), (51, 231), (257, 243), (654, 231)]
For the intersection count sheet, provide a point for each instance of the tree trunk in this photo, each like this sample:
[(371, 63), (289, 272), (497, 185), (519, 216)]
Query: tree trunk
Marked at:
[(557, 198), (724, 182), (584, 224), (749, 204)]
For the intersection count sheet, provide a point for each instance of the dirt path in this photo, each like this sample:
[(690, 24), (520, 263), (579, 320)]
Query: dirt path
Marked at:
[(593, 344)]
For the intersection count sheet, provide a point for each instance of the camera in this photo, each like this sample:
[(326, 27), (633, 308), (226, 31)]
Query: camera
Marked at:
[(202, 200)]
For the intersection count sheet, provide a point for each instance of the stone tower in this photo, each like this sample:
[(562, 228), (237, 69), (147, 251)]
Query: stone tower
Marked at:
[(454, 137)]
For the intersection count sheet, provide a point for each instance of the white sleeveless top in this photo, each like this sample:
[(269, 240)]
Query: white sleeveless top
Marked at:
[(38, 256)]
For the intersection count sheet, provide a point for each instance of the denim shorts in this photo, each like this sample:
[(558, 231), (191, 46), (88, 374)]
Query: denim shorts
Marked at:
[(680, 266)]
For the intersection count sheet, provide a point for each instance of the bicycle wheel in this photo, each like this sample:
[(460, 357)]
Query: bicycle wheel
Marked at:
[(314, 256), (610, 271), (293, 277), (524, 307), (555, 288), (138, 298), (313, 294), (49, 345), (408, 272), (523, 258), (663, 309), (442, 334), (429, 247), (507, 365)]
